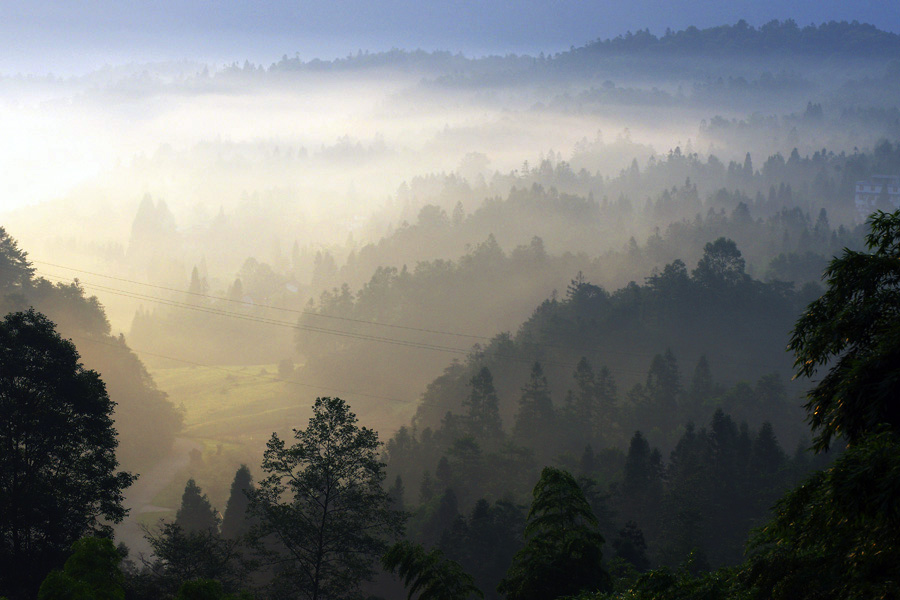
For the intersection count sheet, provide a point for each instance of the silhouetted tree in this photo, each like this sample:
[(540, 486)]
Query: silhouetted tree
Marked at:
[(57, 464), (535, 419), (631, 547), (235, 521), (196, 513), (483, 407), (562, 553), (324, 503)]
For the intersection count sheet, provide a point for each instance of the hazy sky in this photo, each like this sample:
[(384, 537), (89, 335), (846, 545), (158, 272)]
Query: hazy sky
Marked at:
[(70, 36)]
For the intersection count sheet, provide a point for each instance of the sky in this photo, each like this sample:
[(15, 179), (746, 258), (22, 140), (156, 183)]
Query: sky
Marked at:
[(72, 36)]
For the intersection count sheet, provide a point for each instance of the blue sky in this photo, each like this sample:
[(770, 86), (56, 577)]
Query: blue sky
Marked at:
[(65, 36)]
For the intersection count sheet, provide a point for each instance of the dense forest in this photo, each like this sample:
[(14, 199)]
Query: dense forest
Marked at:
[(613, 322)]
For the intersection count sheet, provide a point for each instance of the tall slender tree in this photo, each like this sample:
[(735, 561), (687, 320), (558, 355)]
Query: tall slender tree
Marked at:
[(235, 521), (484, 407), (323, 506)]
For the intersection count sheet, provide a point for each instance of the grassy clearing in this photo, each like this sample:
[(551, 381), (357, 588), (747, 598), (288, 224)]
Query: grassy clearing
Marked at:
[(233, 411), (246, 404)]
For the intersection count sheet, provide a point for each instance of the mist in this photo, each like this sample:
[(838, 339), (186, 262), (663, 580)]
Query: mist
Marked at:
[(629, 226)]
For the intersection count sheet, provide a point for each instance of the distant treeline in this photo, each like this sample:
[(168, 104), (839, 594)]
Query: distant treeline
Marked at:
[(827, 40)]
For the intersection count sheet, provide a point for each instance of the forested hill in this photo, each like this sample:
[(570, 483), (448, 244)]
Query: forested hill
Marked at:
[(835, 39), (714, 318), (83, 320)]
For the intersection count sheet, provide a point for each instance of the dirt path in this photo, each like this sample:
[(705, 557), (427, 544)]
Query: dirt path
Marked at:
[(139, 497)]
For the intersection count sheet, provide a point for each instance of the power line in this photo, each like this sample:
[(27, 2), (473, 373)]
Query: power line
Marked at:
[(268, 306), (342, 333), (309, 328)]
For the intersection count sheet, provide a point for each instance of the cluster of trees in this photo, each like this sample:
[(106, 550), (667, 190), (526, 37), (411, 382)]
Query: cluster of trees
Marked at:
[(137, 399), (788, 215), (773, 38), (321, 517)]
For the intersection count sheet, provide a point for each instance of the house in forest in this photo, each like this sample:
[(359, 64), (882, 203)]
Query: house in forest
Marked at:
[(876, 192)]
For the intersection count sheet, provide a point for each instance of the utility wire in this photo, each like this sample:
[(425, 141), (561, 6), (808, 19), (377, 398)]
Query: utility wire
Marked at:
[(309, 328), (268, 306), (340, 333)]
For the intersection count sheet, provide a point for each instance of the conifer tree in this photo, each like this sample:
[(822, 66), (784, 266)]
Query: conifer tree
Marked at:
[(196, 513), (484, 407), (395, 493), (236, 522), (535, 417), (563, 545)]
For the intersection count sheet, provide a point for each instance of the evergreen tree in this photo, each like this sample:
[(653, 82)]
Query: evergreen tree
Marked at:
[(196, 513), (701, 389), (535, 418), (395, 493), (631, 547), (426, 488), (585, 401), (484, 407), (441, 519), (642, 489), (15, 269), (562, 553), (236, 522)]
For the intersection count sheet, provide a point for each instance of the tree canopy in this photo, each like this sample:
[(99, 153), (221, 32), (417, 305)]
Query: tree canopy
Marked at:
[(322, 505), (854, 330), (58, 479), (562, 553)]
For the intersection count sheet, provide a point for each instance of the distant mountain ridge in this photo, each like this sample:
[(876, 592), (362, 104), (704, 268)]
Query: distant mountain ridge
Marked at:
[(827, 40)]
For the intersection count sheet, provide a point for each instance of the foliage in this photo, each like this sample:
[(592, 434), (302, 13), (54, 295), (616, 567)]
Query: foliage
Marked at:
[(180, 556), (322, 508), (427, 574), (195, 512), (675, 584), (137, 399), (854, 330), (562, 552), (91, 573), (235, 522), (207, 589), (838, 534), (58, 479)]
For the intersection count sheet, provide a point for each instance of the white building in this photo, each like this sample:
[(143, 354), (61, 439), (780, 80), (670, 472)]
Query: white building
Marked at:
[(869, 191)]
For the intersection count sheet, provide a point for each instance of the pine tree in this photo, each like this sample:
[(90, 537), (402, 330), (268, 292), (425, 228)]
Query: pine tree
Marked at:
[(535, 418), (585, 406), (236, 522), (196, 513), (484, 407), (563, 546), (631, 547), (395, 493), (426, 488)]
